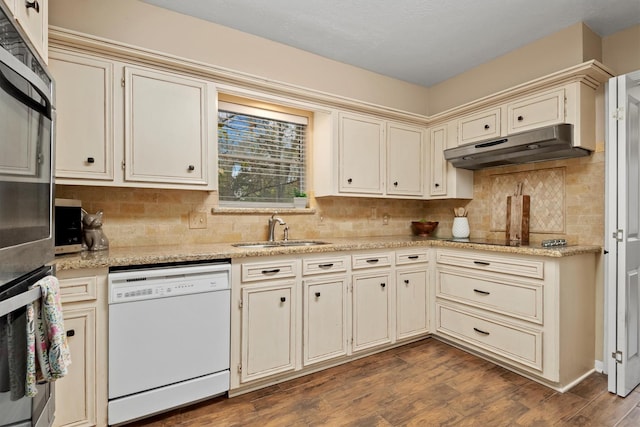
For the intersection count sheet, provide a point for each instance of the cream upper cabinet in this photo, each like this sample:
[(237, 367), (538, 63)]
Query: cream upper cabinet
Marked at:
[(368, 157), (33, 17), (131, 126), (445, 181), (478, 126), (572, 103), (84, 126), (405, 160), (361, 154), (166, 127), (536, 111)]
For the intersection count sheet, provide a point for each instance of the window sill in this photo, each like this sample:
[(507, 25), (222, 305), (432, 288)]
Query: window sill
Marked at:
[(262, 211)]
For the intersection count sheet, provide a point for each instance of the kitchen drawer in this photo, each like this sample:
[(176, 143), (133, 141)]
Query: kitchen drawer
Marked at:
[(382, 259), (479, 126), (494, 263), (536, 111), (507, 297), (78, 289), (520, 345), (312, 266), (252, 272), (411, 257)]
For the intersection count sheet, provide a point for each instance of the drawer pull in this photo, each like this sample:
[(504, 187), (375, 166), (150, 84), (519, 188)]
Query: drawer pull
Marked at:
[(481, 292), (282, 299), (481, 263), (372, 260), (406, 281), (480, 331), (329, 265), (274, 271), (91, 160), (350, 180), (487, 126), (520, 118), (413, 257), (71, 332), (383, 284), (317, 294)]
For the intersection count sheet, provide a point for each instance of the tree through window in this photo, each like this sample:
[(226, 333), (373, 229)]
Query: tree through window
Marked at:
[(261, 155)]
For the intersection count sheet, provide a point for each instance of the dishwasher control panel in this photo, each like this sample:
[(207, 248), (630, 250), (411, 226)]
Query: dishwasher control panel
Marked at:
[(139, 285)]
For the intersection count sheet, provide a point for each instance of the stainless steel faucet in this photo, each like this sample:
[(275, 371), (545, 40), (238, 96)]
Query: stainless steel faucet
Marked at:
[(272, 225)]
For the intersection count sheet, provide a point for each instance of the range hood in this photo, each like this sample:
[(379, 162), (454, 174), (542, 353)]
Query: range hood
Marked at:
[(548, 143)]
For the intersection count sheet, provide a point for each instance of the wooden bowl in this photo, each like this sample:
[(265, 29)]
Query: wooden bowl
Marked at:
[(423, 228)]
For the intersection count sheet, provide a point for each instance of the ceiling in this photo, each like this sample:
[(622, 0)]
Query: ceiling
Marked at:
[(418, 41)]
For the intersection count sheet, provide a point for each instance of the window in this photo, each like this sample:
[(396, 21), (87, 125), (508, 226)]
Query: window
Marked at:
[(261, 155)]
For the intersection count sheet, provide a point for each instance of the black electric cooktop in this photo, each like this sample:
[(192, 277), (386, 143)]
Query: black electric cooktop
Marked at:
[(552, 243)]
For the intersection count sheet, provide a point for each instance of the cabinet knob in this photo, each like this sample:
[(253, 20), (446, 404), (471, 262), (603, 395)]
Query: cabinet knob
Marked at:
[(91, 160), (383, 284), (436, 185), (191, 168), (282, 299), (349, 180), (71, 332), (395, 184), (406, 282), (487, 126), (32, 4), (317, 294), (520, 118)]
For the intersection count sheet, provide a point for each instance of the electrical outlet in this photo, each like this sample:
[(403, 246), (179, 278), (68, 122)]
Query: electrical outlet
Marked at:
[(197, 220), (385, 219)]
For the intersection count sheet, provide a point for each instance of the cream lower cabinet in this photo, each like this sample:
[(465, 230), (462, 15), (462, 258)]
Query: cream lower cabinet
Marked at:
[(372, 287), (412, 293), (116, 126), (265, 322), (268, 329), (325, 302), (532, 314), (81, 396)]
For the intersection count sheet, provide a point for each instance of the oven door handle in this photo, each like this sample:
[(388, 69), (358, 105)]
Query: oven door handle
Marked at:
[(31, 78), (21, 300)]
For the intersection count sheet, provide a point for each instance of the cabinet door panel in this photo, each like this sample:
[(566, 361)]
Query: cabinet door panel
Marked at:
[(84, 106), (268, 330), (76, 392), (479, 126), (536, 111), (438, 143), (411, 303), (165, 127), (325, 319), (34, 22), (371, 311), (405, 161), (361, 155)]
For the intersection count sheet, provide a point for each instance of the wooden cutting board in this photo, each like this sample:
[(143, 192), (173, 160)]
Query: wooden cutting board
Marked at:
[(518, 218)]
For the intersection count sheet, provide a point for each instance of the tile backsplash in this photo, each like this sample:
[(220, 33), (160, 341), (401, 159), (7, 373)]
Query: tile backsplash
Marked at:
[(567, 201)]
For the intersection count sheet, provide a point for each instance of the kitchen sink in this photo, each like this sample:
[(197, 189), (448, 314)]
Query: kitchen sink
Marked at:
[(280, 244)]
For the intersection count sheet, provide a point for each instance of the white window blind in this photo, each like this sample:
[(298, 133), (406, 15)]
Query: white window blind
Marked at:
[(261, 155)]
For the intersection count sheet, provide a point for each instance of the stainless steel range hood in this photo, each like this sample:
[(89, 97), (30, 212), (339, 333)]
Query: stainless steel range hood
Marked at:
[(549, 143)]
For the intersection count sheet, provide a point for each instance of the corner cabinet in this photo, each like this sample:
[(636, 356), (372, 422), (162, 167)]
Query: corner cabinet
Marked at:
[(446, 181), (369, 157), (81, 396), (117, 127)]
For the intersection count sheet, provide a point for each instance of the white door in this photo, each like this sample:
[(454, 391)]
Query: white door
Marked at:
[(623, 233)]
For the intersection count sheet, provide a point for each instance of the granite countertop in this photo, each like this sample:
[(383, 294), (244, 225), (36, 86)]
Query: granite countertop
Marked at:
[(144, 255)]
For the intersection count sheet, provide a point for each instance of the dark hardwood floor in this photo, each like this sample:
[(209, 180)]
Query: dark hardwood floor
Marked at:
[(427, 383)]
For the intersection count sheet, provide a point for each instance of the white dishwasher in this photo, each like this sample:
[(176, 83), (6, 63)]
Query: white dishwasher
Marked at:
[(169, 331)]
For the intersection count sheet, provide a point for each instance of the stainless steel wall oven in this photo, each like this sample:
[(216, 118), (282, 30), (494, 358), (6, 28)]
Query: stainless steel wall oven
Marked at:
[(26, 210)]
